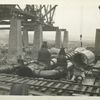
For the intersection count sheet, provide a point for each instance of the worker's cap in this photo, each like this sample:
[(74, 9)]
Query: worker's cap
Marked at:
[(44, 44)]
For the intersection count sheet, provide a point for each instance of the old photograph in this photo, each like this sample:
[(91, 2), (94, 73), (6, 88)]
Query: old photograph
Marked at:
[(50, 49)]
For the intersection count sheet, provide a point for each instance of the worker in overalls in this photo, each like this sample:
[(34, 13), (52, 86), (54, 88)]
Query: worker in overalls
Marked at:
[(20, 60), (44, 55), (62, 62), (22, 69)]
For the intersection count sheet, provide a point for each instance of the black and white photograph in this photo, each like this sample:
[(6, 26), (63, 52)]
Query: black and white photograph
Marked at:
[(50, 48)]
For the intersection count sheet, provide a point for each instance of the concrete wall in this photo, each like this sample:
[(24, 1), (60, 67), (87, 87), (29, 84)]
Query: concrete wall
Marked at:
[(97, 42)]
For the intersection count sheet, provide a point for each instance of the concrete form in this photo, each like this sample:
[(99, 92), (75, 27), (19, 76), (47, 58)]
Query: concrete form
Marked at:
[(15, 38), (65, 39), (25, 38), (38, 38)]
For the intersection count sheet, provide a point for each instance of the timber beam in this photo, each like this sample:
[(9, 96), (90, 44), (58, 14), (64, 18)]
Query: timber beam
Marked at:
[(32, 29)]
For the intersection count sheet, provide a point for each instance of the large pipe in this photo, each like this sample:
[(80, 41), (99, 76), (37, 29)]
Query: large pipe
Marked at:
[(52, 74), (83, 57)]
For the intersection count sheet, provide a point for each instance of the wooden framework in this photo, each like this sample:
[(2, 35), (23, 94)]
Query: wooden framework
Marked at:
[(30, 15)]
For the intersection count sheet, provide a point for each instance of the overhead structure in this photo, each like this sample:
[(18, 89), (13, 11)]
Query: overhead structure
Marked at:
[(31, 14), (36, 18)]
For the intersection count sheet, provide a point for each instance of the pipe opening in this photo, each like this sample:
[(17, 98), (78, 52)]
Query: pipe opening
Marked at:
[(80, 59)]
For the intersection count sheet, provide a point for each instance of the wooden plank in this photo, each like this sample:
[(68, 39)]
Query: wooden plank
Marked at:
[(97, 90), (83, 89), (43, 89), (70, 87), (50, 84), (33, 92), (2, 77), (19, 80), (26, 80), (65, 86), (60, 91), (89, 89), (43, 83), (13, 79), (6, 79), (58, 85), (32, 82), (76, 87), (4, 88), (38, 83)]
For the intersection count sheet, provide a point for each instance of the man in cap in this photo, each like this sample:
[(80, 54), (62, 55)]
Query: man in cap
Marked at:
[(62, 63), (44, 55), (61, 59)]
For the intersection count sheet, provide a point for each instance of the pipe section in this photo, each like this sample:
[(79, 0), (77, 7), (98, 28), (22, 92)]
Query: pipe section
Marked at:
[(83, 57)]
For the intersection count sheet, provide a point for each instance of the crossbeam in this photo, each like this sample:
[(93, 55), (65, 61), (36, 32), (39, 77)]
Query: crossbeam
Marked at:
[(43, 14), (32, 29), (50, 11)]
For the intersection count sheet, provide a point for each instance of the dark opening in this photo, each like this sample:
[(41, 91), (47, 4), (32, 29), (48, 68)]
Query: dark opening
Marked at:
[(79, 59)]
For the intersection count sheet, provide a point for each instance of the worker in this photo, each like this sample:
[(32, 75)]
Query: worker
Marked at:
[(22, 69), (20, 60), (61, 59), (62, 62), (44, 55)]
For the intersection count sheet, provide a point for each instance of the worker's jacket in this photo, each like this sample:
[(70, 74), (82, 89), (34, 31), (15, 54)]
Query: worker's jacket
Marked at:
[(61, 61), (44, 56)]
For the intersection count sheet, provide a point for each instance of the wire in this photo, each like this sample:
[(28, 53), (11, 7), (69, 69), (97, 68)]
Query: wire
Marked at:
[(81, 25)]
